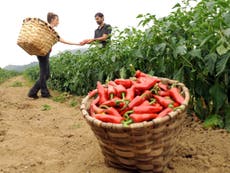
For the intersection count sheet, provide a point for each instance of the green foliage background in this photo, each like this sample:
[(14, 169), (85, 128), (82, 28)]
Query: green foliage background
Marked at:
[(6, 74), (190, 45)]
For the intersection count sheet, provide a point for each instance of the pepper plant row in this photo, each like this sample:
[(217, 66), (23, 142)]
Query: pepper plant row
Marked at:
[(6, 74), (137, 99)]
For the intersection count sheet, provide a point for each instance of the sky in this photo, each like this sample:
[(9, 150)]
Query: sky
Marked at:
[(76, 21)]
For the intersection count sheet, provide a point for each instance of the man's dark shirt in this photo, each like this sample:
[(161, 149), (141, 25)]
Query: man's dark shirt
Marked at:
[(106, 29)]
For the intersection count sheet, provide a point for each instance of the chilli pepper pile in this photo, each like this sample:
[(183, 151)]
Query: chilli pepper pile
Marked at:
[(137, 99)]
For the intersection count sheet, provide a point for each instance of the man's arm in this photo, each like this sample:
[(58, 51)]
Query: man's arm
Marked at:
[(103, 38), (88, 41)]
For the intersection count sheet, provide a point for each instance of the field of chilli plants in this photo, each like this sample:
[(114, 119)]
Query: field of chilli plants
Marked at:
[(5, 74), (191, 45)]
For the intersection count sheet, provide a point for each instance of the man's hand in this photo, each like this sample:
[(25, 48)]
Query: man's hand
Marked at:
[(86, 41)]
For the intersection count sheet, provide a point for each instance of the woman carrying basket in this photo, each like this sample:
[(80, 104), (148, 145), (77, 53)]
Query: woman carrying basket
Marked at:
[(40, 84)]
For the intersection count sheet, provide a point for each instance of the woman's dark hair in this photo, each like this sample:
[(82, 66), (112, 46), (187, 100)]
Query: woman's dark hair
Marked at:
[(51, 16), (99, 14)]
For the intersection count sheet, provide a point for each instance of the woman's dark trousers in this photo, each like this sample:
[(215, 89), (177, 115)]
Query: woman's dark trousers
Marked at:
[(43, 77)]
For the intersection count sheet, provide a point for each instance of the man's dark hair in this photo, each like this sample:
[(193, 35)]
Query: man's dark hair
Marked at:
[(99, 14)]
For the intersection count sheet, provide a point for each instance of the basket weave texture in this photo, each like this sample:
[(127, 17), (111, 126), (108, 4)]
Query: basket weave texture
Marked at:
[(36, 37), (143, 147)]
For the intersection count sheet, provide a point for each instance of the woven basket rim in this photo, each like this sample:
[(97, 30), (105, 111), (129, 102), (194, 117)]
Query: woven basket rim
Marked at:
[(33, 19), (156, 121)]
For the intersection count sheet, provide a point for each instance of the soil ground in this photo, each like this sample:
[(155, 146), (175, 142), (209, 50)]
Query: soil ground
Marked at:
[(46, 136)]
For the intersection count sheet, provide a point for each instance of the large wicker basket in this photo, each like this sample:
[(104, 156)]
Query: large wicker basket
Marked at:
[(36, 37), (142, 147)]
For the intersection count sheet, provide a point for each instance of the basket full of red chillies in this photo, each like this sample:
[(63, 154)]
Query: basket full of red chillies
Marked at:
[(137, 120)]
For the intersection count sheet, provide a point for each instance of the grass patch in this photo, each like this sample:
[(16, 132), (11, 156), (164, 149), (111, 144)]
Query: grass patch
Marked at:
[(73, 103), (46, 107), (16, 84), (63, 97)]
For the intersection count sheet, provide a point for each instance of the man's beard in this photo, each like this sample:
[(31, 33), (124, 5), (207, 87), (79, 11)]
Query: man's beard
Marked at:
[(99, 23)]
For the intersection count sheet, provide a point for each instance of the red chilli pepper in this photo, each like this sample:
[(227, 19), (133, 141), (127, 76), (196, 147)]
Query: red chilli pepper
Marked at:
[(115, 102), (175, 104), (121, 91), (92, 93), (136, 101), (163, 86), (142, 79), (127, 83), (139, 99), (147, 94), (163, 93), (147, 109), (101, 92), (97, 109), (94, 102), (165, 112), (91, 109), (112, 83), (142, 117), (130, 94), (175, 94), (112, 111), (145, 103), (109, 118), (163, 101), (146, 83), (111, 91), (140, 73)]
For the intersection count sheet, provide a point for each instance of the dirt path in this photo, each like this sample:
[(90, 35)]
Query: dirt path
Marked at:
[(58, 140)]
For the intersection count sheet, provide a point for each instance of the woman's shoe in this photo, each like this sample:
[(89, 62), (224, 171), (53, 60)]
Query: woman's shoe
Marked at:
[(34, 96), (46, 96)]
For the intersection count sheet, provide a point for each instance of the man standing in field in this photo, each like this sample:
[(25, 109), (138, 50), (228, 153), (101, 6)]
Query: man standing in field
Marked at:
[(102, 33)]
